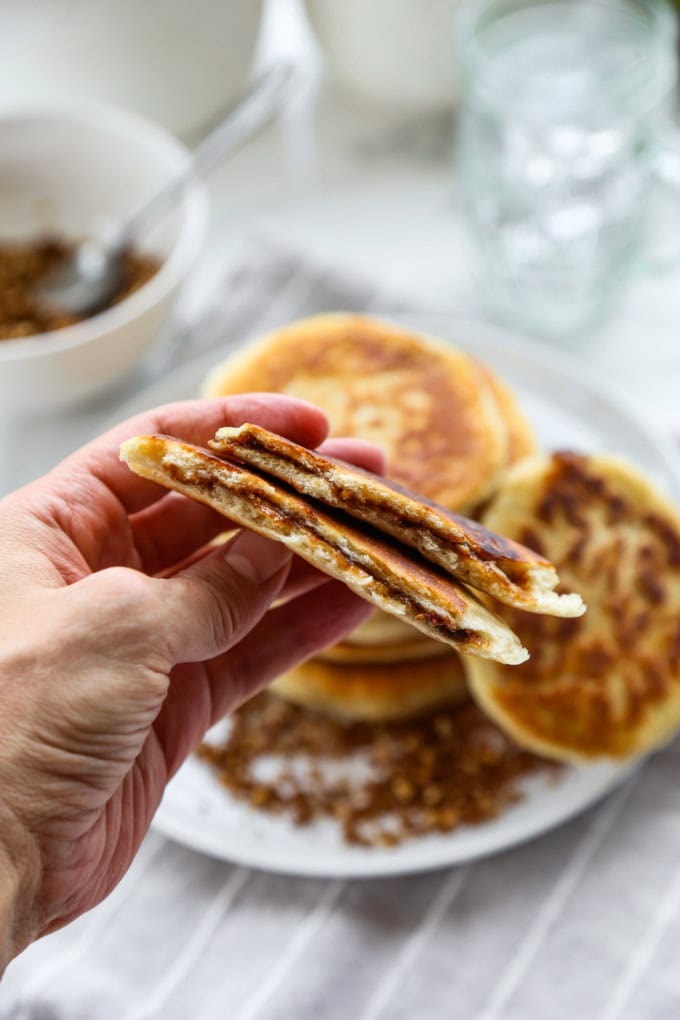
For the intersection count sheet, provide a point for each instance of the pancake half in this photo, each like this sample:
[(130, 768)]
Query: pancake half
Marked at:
[(469, 552), (374, 692), (426, 403), (608, 684), (389, 577)]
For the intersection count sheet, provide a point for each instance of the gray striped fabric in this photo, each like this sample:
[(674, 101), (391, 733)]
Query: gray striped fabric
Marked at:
[(582, 923)]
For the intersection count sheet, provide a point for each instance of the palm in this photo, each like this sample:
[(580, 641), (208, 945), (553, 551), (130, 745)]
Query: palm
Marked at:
[(104, 841)]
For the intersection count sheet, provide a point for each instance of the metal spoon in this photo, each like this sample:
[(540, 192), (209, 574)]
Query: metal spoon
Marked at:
[(87, 280)]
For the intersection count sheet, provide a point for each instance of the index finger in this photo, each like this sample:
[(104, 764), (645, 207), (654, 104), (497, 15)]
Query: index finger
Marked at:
[(195, 421)]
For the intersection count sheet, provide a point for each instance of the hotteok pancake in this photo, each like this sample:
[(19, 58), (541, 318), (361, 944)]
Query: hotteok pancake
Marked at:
[(391, 577), (426, 403), (469, 552), (607, 684)]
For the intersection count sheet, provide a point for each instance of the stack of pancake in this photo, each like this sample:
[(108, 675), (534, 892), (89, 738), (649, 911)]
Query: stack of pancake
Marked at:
[(450, 429), (604, 684)]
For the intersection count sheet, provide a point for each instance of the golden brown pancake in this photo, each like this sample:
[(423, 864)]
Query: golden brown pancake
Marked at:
[(607, 684), (374, 692), (426, 403), (463, 548), (388, 576), (521, 440)]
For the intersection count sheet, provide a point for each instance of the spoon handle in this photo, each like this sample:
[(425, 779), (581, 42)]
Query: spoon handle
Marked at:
[(256, 107)]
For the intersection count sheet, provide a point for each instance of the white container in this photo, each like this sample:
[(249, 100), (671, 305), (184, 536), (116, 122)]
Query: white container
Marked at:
[(177, 61), (392, 53), (71, 170)]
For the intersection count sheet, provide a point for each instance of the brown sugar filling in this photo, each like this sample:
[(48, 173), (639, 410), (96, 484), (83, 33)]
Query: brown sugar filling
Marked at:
[(516, 572), (415, 610), (591, 683), (24, 266), (427, 775)]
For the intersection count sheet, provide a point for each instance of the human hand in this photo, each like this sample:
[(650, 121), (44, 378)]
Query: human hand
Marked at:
[(110, 675)]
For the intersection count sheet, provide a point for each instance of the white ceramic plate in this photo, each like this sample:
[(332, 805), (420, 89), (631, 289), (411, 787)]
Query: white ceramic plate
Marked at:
[(570, 408)]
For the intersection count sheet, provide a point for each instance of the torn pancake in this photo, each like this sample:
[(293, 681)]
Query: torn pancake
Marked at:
[(374, 692), (389, 577), (426, 403), (466, 550), (607, 684)]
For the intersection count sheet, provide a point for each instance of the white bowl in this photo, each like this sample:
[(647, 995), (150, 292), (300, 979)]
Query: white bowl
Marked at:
[(72, 169), (179, 63)]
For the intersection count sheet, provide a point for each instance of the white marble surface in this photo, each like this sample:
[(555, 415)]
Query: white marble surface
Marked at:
[(358, 189)]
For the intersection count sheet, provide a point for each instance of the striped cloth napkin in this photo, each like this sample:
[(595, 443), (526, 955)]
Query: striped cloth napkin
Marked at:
[(581, 923)]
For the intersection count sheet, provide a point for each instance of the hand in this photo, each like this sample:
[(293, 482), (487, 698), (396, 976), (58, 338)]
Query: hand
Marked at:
[(110, 674)]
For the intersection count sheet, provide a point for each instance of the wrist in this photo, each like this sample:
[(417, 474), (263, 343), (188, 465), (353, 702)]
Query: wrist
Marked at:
[(19, 880), (9, 899)]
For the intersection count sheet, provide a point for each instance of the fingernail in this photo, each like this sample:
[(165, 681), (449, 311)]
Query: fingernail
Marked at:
[(255, 558)]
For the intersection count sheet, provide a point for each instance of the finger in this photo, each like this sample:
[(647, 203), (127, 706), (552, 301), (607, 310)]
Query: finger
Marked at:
[(175, 532), (172, 529), (356, 451), (188, 709), (195, 421), (285, 637), (302, 577), (212, 604)]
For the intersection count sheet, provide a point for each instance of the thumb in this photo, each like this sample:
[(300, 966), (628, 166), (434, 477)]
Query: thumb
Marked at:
[(208, 607)]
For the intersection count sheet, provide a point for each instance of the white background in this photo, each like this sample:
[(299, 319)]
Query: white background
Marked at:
[(377, 194)]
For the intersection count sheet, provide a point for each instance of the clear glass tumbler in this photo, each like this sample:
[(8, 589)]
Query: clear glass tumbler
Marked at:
[(564, 138)]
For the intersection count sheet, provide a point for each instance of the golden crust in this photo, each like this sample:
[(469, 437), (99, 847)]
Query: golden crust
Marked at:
[(374, 692), (426, 403), (607, 684)]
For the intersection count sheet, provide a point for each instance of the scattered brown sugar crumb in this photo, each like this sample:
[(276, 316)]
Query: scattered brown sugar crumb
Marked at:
[(427, 775), (23, 266)]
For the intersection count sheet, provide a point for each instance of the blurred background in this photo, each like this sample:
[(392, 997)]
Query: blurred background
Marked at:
[(502, 160), (509, 172)]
